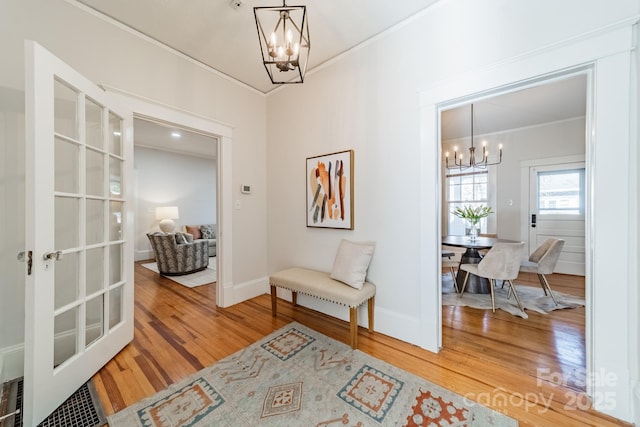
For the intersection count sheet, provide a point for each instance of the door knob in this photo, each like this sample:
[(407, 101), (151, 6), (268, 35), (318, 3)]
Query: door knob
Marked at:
[(56, 256)]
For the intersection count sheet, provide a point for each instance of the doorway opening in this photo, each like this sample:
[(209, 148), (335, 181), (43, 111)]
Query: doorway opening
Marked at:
[(547, 119), (174, 166), (147, 111)]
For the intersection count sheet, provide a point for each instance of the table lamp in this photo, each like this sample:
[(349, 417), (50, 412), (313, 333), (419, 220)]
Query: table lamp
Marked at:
[(166, 215)]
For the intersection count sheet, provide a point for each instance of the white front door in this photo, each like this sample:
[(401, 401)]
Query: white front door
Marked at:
[(557, 202), (79, 229)]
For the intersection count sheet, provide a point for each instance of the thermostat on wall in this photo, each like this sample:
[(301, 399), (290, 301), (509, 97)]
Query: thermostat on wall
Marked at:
[(246, 189)]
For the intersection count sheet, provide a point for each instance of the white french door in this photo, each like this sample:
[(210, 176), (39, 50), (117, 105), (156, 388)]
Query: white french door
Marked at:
[(79, 284), (557, 203)]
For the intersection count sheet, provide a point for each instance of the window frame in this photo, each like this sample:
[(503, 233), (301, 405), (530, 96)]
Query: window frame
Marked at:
[(486, 224)]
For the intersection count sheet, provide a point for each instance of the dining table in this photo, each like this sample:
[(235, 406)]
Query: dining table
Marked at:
[(475, 284)]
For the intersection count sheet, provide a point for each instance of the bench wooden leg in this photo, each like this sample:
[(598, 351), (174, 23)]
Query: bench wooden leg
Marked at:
[(372, 303), (353, 322), (274, 301), (294, 298)]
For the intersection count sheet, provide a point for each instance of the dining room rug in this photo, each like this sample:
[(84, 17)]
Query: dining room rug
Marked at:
[(199, 278), (531, 297), (299, 377)]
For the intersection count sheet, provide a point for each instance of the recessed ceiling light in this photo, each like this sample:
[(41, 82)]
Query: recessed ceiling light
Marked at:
[(176, 134), (116, 133)]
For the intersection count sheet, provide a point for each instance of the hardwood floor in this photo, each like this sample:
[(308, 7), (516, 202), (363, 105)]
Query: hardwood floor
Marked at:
[(494, 359)]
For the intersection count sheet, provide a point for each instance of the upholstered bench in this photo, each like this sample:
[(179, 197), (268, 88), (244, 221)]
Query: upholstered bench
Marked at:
[(320, 285)]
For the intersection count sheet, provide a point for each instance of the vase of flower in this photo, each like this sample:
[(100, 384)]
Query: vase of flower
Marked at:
[(474, 230), (473, 217)]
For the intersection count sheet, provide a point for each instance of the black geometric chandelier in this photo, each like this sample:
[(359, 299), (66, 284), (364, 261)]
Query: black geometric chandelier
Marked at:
[(283, 33), (460, 164)]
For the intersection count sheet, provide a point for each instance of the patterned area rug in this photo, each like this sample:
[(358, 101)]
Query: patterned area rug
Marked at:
[(199, 278), (532, 298), (299, 377)]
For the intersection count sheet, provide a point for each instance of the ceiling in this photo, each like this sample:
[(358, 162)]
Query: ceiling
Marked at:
[(225, 39), (548, 102), (214, 33), (162, 136)]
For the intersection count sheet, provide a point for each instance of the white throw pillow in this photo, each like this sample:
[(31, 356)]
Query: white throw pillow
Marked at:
[(351, 262)]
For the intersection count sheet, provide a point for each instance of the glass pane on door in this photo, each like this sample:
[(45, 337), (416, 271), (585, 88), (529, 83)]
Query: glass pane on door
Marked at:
[(115, 264), (95, 270), (115, 135), (67, 219), (561, 192), (65, 110), (93, 117), (93, 321), (94, 213), (65, 331), (95, 173), (67, 159), (115, 306), (115, 220), (67, 280), (115, 177)]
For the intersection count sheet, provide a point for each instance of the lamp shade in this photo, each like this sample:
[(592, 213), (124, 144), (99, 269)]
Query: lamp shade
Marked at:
[(167, 212)]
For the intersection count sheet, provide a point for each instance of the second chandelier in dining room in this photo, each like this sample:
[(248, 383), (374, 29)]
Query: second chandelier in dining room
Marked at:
[(283, 33), (458, 158)]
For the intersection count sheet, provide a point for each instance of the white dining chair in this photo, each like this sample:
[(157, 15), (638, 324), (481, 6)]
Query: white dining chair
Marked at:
[(502, 262), (451, 261), (543, 261)]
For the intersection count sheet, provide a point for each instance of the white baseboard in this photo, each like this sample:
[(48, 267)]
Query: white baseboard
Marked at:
[(12, 361), (396, 325), (251, 289), (143, 255)]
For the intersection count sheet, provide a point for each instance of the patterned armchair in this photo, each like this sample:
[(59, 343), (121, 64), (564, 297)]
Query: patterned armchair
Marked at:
[(175, 258)]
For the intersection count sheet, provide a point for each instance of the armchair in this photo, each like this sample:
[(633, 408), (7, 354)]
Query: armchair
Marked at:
[(175, 258), (502, 262), (543, 261)]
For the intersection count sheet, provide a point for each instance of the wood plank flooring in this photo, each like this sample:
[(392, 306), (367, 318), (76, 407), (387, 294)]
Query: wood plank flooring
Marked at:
[(498, 359)]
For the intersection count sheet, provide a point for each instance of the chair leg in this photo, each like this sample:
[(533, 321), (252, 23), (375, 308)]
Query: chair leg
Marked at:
[(546, 288), (455, 283), (371, 306), (464, 284), (493, 297), (274, 301), (515, 294)]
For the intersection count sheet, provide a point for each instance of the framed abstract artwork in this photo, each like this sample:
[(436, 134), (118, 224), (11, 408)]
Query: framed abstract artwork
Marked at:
[(330, 190)]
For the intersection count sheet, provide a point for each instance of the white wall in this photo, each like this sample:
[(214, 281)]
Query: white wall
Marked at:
[(369, 100), (171, 179), (557, 139), (11, 228), (115, 58)]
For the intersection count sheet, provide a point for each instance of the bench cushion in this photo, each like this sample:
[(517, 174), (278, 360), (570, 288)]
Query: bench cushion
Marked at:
[(320, 285)]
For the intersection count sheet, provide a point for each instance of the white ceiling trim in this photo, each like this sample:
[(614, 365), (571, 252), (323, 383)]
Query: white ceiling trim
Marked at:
[(159, 104), (390, 30), (159, 44)]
